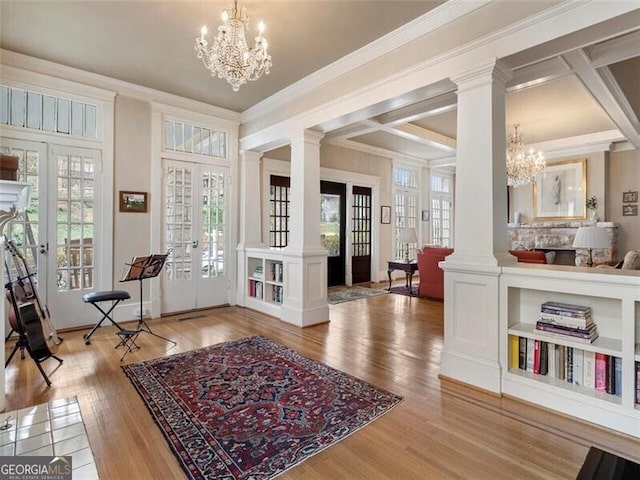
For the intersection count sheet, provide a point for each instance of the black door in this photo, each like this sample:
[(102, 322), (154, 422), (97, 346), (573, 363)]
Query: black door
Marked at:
[(361, 235), (333, 211)]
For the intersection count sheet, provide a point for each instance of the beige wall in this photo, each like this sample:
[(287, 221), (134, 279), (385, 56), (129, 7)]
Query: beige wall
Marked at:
[(624, 176), (132, 152)]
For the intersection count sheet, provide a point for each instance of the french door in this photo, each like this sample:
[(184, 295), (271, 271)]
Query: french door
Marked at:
[(195, 202), (361, 235), (59, 232), (333, 208)]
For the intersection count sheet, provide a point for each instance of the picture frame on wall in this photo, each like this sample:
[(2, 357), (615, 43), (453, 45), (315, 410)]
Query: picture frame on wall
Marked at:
[(135, 202), (630, 210), (425, 215), (385, 214), (630, 197), (559, 193)]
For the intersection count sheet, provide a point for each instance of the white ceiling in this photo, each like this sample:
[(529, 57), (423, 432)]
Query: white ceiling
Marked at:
[(579, 90)]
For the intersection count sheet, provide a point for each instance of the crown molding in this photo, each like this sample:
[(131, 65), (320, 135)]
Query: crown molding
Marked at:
[(579, 145), (47, 68), (423, 25)]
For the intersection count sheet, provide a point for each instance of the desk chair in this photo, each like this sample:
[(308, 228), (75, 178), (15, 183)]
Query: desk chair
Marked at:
[(95, 298)]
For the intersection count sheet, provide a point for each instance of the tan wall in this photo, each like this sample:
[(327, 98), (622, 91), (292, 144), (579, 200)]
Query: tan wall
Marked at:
[(132, 152), (624, 176)]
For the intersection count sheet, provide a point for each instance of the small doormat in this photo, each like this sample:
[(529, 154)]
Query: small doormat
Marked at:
[(252, 408), (343, 293)]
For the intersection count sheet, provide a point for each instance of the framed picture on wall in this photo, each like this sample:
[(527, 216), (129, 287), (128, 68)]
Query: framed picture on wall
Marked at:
[(133, 202), (385, 214), (630, 197), (630, 210), (560, 192)]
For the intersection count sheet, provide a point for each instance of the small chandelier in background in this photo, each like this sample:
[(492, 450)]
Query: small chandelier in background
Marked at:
[(522, 167), (229, 57)]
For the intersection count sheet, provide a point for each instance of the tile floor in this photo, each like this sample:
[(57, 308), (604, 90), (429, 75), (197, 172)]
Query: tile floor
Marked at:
[(54, 428)]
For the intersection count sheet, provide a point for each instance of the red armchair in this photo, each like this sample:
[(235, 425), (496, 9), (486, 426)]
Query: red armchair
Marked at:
[(529, 256), (431, 275)]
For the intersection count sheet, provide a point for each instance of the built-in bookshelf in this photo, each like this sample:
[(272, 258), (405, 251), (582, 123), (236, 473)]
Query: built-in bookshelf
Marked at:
[(596, 378), (265, 281)]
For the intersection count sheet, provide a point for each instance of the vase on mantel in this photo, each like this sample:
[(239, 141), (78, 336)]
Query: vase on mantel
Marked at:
[(592, 215)]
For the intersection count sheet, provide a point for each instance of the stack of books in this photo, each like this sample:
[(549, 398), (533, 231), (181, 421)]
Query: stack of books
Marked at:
[(572, 322), (258, 272)]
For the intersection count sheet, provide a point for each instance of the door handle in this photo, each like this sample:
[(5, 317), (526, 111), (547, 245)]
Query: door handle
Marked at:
[(194, 244), (44, 248)]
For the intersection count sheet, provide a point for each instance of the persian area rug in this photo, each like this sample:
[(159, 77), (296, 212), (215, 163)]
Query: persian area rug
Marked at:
[(343, 293), (252, 408), (402, 290)]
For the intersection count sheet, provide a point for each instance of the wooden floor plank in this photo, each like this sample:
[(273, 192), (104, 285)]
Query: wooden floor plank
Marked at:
[(441, 430)]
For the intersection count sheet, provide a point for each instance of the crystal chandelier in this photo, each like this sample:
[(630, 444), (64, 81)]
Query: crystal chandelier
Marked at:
[(522, 167), (229, 57)]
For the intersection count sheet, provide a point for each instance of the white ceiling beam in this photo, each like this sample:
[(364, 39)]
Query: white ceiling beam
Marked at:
[(601, 90), (426, 108), (360, 128), (423, 136), (538, 74), (615, 50)]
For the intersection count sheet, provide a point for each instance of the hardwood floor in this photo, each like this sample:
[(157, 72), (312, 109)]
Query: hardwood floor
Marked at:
[(441, 430)]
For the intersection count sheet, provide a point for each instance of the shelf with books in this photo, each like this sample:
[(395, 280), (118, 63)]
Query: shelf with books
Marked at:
[(265, 280), (600, 320), (606, 345)]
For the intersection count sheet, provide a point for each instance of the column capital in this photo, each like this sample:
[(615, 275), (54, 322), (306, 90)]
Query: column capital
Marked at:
[(250, 156), (311, 137), (493, 71)]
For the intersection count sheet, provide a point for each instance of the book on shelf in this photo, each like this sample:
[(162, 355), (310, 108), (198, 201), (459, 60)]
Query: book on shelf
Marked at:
[(637, 383), (573, 334), (544, 359), (536, 356), (522, 357), (258, 272), (530, 353), (578, 366), (569, 365), (565, 309), (601, 372), (588, 368), (610, 379), (562, 361), (562, 320), (514, 351), (551, 356), (618, 376)]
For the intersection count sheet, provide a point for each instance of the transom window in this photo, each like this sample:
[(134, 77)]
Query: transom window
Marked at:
[(184, 137), (37, 111), (441, 210)]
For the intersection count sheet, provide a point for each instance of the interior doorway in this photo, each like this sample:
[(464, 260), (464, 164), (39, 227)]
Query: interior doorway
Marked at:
[(361, 235)]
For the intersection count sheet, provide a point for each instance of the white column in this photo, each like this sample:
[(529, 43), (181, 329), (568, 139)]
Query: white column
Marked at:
[(471, 337), (305, 260), (250, 216)]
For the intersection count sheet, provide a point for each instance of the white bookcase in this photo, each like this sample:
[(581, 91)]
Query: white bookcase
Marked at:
[(265, 281), (614, 298)]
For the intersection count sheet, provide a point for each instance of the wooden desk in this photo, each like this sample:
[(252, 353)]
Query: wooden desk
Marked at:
[(408, 268)]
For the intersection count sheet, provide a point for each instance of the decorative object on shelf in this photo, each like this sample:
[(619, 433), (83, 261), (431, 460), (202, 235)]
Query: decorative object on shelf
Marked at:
[(385, 214), (522, 167), (630, 210), (229, 57), (133, 202), (407, 236), (590, 238), (560, 194), (630, 197), (592, 206)]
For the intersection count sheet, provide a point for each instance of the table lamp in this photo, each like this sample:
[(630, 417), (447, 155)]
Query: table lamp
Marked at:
[(408, 236), (590, 238)]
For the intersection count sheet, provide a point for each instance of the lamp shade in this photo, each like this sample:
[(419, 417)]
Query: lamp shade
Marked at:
[(591, 237), (409, 235)]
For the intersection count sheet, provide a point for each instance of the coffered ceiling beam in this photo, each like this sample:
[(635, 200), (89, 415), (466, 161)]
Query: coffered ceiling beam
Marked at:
[(616, 50), (417, 134), (538, 74), (607, 93), (426, 108), (350, 131)]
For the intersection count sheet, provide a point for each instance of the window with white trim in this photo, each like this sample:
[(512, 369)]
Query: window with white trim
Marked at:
[(442, 210), (406, 194)]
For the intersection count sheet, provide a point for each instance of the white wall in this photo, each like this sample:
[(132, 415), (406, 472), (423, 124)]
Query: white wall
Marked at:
[(624, 176)]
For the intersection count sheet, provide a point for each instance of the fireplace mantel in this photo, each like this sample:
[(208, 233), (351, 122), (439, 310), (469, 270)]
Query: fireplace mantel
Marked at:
[(558, 236)]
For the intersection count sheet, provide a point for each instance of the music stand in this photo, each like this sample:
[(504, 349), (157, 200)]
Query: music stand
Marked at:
[(140, 269)]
